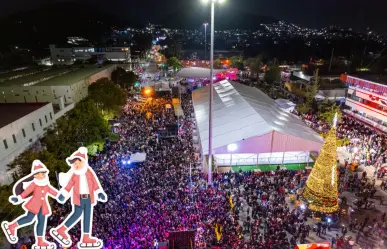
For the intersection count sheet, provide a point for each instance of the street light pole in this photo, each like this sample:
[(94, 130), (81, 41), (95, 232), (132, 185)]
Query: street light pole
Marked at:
[(211, 94), (205, 40), (211, 88)]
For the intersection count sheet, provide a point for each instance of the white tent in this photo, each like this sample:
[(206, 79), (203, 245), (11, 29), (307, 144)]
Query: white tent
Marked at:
[(285, 104), (245, 120), (197, 72), (138, 157)]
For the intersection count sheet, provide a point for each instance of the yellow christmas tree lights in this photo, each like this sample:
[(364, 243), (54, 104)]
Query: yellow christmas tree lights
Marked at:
[(321, 187)]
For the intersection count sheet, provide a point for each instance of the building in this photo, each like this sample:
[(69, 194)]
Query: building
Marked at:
[(250, 129), (68, 56), (32, 102), (367, 101), (20, 126), (63, 87)]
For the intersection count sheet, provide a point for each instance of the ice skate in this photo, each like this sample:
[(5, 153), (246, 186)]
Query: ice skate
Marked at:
[(10, 231), (60, 235), (89, 242), (43, 244)]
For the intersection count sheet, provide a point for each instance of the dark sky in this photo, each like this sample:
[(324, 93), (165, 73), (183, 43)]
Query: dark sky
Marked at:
[(358, 14)]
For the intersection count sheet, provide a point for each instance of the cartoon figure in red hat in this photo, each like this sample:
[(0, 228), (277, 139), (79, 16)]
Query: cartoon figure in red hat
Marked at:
[(86, 190), (32, 190)]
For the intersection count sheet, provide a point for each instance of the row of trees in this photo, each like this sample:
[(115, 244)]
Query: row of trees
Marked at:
[(85, 125), (124, 79)]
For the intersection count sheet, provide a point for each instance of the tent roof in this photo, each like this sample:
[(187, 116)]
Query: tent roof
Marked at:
[(241, 112), (197, 72), (284, 103)]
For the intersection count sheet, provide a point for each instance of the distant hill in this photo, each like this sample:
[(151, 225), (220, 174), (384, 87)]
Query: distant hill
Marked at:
[(52, 23), (231, 21)]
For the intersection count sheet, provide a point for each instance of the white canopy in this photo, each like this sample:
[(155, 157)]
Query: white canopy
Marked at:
[(250, 121), (197, 72), (285, 104), (138, 157)]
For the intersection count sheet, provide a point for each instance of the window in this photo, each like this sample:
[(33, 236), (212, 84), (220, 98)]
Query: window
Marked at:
[(33, 126), (40, 122), (45, 117), (24, 133), (5, 144), (50, 115), (14, 138)]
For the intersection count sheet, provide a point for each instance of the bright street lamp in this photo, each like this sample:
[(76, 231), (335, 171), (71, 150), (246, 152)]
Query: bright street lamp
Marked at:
[(211, 87)]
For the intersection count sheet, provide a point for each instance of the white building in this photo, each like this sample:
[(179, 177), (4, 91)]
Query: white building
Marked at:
[(67, 56), (20, 126)]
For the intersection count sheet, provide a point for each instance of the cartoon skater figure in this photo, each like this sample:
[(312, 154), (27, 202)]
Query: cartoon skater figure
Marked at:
[(86, 190), (32, 190)]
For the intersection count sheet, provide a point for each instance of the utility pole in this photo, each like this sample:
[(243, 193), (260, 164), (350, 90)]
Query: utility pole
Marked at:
[(330, 63)]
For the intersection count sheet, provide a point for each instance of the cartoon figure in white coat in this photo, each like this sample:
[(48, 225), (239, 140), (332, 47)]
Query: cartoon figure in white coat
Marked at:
[(86, 190), (32, 190)]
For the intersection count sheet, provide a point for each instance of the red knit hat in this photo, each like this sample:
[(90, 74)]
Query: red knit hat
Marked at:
[(81, 154), (38, 167)]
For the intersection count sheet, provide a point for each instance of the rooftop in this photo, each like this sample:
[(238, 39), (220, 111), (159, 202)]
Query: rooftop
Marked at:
[(20, 73), (12, 112), (73, 77), (381, 79), (35, 77), (241, 112)]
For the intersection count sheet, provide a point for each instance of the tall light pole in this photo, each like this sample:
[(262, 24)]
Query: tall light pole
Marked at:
[(205, 39), (211, 87)]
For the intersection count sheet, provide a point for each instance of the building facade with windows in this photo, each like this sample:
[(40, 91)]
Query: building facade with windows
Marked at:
[(367, 101), (67, 56), (20, 126)]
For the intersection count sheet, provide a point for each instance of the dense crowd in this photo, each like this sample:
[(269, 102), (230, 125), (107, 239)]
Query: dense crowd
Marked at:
[(148, 200), (366, 145)]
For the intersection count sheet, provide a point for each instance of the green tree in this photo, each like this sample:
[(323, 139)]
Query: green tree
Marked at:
[(303, 108), (23, 162), (174, 63), (330, 113), (254, 64), (107, 95), (311, 91), (236, 62), (82, 126), (273, 75), (124, 79), (218, 64)]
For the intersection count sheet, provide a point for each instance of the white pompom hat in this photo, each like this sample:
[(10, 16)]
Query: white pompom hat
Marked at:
[(81, 154)]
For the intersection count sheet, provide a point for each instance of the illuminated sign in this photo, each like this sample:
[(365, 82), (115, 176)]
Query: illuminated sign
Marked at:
[(324, 245)]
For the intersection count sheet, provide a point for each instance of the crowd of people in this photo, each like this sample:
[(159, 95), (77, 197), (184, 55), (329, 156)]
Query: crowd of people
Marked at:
[(367, 145), (151, 199)]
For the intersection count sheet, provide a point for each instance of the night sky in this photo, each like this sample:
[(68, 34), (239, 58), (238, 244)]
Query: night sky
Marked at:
[(309, 13)]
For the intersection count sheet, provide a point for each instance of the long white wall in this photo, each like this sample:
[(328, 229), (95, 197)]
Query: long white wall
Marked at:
[(32, 131)]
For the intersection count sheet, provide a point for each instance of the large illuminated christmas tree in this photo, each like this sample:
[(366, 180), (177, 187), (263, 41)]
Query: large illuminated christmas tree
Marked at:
[(321, 187)]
